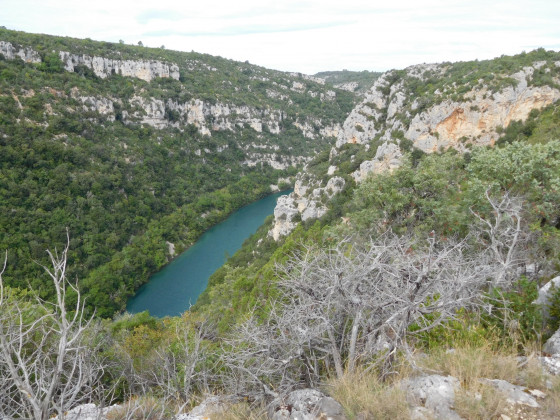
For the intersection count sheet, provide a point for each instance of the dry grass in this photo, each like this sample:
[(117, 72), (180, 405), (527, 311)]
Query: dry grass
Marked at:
[(480, 402), (241, 411), (364, 396), (533, 375), (142, 408), (551, 405), (468, 363)]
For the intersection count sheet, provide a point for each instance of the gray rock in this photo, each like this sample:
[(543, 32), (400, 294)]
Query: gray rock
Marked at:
[(306, 404), (284, 212), (545, 294), (552, 345), (435, 393), (551, 364), (26, 54), (515, 394), (104, 67)]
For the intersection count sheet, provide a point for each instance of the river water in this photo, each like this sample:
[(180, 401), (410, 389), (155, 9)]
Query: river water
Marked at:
[(176, 286)]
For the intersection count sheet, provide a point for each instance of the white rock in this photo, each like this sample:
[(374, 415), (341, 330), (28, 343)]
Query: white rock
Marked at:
[(25, 53), (515, 394), (306, 404), (435, 392), (545, 294), (551, 364)]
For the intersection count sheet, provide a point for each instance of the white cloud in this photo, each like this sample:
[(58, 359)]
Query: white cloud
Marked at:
[(306, 36)]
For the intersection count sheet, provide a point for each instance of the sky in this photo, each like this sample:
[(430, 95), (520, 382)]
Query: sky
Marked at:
[(305, 36)]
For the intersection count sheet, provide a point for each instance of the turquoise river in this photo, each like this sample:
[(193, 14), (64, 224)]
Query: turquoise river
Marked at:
[(176, 287)]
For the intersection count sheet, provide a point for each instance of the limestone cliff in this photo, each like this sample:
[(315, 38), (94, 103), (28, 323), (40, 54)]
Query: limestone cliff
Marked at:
[(104, 67), (27, 54), (433, 107)]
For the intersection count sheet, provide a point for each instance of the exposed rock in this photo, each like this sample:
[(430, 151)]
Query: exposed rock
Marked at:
[(515, 394), (448, 123), (348, 86), (387, 158), (103, 106), (552, 345), (454, 124), (306, 404), (25, 53), (284, 212), (551, 364), (313, 210), (334, 185), (170, 248), (545, 294), (309, 202), (435, 393), (104, 67)]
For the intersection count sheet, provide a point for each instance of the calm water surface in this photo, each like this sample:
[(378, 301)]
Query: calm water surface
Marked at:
[(172, 290)]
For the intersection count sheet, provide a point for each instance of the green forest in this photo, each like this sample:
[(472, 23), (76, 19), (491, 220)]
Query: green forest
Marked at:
[(121, 188), (431, 268)]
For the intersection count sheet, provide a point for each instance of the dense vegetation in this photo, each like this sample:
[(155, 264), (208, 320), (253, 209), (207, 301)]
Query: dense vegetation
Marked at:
[(363, 79), (447, 251), (124, 188)]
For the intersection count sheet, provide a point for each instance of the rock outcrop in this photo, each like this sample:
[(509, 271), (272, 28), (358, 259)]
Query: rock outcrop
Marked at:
[(454, 116), (446, 123), (387, 158), (545, 295), (25, 53), (306, 404), (104, 67), (434, 395), (307, 201)]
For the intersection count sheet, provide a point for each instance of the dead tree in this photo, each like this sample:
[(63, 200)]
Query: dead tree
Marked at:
[(48, 356), (503, 232), (357, 302)]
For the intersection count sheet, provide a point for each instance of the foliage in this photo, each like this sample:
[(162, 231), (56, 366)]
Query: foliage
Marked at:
[(124, 188), (512, 314), (363, 79)]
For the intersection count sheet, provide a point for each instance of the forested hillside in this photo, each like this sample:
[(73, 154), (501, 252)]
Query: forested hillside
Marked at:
[(137, 151), (412, 273)]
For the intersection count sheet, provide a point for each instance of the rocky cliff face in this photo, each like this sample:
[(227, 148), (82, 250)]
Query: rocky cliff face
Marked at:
[(27, 54), (453, 114), (104, 67)]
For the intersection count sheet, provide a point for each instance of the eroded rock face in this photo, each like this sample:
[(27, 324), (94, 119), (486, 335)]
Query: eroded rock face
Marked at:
[(448, 123), (307, 201), (453, 124), (387, 158), (545, 294), (284, 214), (390, 113), (104, 67), (27, 54)]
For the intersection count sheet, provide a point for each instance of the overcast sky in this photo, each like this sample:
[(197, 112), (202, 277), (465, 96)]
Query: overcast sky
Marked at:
[(305, 36)]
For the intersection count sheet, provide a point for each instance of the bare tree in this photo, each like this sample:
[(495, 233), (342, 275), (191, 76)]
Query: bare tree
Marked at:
[(360, 301), (504, 234), (178, 366), (48, 356)]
